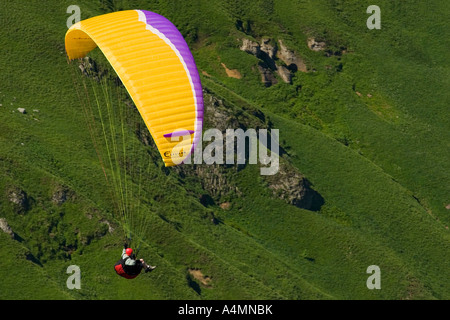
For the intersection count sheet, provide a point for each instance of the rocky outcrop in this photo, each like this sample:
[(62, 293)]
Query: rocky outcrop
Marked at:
[(4, 226), (267, 76), (62, 193), (270, 56), (284, 73), (19, 199), (330, 50), (251, 47), (268, 48), (316, 45), (220, 115), (109, 224), (291, 186), (290, 58), (59, 195), (218, 180)]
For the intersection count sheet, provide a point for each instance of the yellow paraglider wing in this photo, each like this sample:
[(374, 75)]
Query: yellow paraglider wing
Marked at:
[(156, 67)]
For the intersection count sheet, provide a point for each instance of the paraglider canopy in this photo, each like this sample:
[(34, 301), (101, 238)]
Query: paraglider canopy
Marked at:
[(156, 67)]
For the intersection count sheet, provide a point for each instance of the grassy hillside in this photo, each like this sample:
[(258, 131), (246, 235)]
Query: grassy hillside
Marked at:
[(367, 125)]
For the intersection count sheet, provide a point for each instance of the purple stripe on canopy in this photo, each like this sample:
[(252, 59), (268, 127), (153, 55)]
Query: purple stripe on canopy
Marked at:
[(171, 32), (178, 133)]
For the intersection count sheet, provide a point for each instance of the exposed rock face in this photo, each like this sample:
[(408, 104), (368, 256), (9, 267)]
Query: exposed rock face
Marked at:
[(110, 227), (217, 115), (218, 179), (291, 186), (316, 46), (291, 59), (19, 199), (59, 196), (267, 76), (251, 47), (269, 53), (268, 48), (284, 73), (4, 226), (220, 115)]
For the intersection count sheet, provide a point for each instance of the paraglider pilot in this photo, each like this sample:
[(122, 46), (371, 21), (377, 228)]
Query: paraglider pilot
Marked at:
[(128, 267)]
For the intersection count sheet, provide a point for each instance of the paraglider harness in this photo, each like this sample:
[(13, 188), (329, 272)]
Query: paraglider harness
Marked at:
[(126, 271), (129, 272)]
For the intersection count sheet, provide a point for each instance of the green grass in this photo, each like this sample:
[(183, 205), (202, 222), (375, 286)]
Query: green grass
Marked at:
[(379, 159)]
